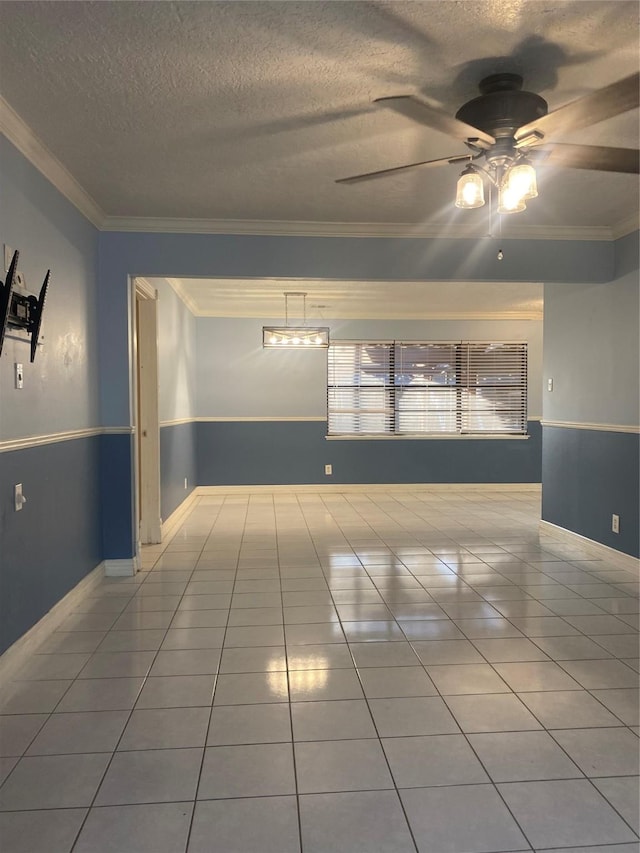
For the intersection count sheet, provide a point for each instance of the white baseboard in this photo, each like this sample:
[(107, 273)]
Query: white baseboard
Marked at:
[(603, 552), (170, 524), (353, 488), (16, 655), (121, 568)]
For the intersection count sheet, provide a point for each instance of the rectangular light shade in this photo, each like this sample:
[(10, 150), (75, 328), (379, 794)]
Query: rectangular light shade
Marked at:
[(298, 337)]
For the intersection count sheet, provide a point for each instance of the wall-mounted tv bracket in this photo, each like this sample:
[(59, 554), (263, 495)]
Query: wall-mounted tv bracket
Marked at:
[(21, 311)]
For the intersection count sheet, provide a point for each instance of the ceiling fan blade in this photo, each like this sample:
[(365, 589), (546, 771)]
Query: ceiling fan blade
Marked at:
[(603, 103), (415, 109), (594, 157), (443, 161)]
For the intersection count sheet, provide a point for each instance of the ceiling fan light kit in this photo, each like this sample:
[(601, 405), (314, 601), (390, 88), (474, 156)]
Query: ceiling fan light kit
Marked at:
[(515, 187), (298, 337), (509, 201), (470, 190), (505, 127), (522, 180)]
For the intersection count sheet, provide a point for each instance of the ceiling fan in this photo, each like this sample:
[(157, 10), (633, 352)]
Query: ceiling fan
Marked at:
[(508, 129)]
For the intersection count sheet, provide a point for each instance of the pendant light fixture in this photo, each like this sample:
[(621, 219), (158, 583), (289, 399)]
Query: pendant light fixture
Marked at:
[(298, 337)]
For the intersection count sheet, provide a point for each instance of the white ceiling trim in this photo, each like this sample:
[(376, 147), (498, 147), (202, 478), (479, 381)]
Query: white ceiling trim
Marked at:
[(145, 289), (283, 228), (253, 298), (176, 285), (368, 314), (21, 135), (626, 226)]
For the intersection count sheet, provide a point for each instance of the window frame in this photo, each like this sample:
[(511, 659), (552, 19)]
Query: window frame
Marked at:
[(466, 392)]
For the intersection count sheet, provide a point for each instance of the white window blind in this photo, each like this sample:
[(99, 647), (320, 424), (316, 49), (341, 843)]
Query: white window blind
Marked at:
[(360, 392), (398, 388)]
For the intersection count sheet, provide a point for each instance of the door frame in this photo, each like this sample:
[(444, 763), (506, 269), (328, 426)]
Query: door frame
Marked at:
[(146, 469)]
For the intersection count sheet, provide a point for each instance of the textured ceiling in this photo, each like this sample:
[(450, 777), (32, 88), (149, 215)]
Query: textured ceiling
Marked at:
[(251, 110), (326, 300)]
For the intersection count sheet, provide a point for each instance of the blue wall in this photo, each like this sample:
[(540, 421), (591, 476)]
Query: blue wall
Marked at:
[(116, 490), (177, 461), (238, 378), (57, 537), (80, 500), (405, 259), (347, 258), (177, 385), (592, 353), (588, 475), (176, 333), (271, 408), (61, 387), (281, 452)]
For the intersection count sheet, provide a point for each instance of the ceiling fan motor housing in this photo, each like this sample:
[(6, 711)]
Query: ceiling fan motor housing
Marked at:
[(502, 107)]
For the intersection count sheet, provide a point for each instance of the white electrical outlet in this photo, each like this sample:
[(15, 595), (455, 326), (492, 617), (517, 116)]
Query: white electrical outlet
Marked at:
[(615, 523), (18, 498), (19, 372), (185, 483), (549, 384), (328, 469)]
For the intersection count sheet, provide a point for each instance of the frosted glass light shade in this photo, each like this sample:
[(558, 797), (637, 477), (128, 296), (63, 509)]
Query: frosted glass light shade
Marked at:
[(470, 191), (295, 337), (522, 181), (508, 201)]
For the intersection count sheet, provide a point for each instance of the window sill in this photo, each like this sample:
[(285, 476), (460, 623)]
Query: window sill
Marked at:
[(430, 437)]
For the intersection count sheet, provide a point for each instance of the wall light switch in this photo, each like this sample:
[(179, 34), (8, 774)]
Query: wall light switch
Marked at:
[(549, 384), (18, 498), (328, 469), (19, 376)]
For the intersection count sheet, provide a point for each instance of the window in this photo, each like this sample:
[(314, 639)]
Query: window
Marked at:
[(449, 388)]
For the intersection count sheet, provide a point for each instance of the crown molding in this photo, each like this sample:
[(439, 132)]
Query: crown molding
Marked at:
[(144, 288), (24, 139), (367, 314), (22, 136), (176, 285), (408, 230), (626, 226)]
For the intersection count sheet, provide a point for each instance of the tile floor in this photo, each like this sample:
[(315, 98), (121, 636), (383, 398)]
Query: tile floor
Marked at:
[(351, 673)]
